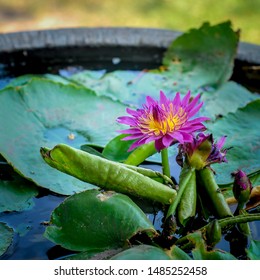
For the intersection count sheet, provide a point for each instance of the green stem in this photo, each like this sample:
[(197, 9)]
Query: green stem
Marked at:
[(165, 163), (224, 223), (185, 177), (209, 185), (239, 219)]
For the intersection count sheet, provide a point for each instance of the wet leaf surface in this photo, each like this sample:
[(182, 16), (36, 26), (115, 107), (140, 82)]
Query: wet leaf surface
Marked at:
[(6, 237), (94, 220), (45, 113)]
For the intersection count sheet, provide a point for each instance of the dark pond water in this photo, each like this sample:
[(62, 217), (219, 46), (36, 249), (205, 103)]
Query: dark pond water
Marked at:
[(29, 225)]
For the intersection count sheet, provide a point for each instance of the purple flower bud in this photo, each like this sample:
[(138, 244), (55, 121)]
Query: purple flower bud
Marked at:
[(242, 186)]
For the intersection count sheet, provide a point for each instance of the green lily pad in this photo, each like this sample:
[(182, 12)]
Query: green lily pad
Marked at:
[(142, 252), (197, 58), (228, 98), (243, 135), (17, 195), (6, 237), (205, 56), (45, 113), (253, 252), (92, 220)]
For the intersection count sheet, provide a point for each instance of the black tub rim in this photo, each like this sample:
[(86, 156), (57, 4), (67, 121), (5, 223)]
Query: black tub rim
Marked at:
[(104, 36)]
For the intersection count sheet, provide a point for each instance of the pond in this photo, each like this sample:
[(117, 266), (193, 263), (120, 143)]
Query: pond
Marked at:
[(82, 54)]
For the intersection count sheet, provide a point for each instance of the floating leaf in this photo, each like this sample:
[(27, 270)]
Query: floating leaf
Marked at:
[(142, 252), (243, 135), (205, 55), (44, 112), (6, 237), (16, 195), (228, 98), (94, 255), (93, 220), (200, 57)]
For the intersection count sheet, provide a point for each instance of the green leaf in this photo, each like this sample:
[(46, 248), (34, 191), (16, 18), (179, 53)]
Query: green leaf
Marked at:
[(93, 220), (17, 195), (108, 174), (6, 237), (228, 98), (200, 251), (44, 112), (205, 55), (253, 252), (243, 135), (177, 253), (142, 252), (116, 149), (187, 206), (94, 255)]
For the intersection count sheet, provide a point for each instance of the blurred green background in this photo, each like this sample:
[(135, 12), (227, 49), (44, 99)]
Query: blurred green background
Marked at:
[(18, 15)]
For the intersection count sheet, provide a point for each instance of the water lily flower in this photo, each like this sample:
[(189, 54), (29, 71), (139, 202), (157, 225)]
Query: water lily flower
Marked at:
[(203, 151), (165, 121)]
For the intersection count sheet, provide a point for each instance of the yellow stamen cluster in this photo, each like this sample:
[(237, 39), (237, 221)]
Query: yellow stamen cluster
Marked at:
[(161, 121)]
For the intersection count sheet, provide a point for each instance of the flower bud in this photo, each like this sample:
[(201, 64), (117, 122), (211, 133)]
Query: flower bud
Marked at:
[(242, 187), (213, 233)]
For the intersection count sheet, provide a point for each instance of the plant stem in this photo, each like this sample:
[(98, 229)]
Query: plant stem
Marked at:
[(165, 163), (239, 219), (208, 183), (224, 223)]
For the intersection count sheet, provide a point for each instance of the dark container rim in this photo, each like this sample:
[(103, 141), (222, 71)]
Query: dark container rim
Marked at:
[(48, 51)]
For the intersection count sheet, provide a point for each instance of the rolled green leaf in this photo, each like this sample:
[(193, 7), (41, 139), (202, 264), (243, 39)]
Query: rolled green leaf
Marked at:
[(140, 154), (106, 174), (185, 176), (209, 185), (187, 205)]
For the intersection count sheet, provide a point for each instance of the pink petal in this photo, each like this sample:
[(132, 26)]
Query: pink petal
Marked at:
[(132, 112), (150, 101), (178, 136), (163, 98), (130, 131), (127, 120), (186, 99), (177, 100), (221, 142), (132, 137), (167, 140), (159, 145), (193, 102)]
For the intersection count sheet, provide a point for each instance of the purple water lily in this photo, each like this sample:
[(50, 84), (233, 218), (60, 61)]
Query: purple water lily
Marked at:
[(165, 121)]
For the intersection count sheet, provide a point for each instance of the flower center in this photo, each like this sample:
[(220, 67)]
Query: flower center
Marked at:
[(160, 121)]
